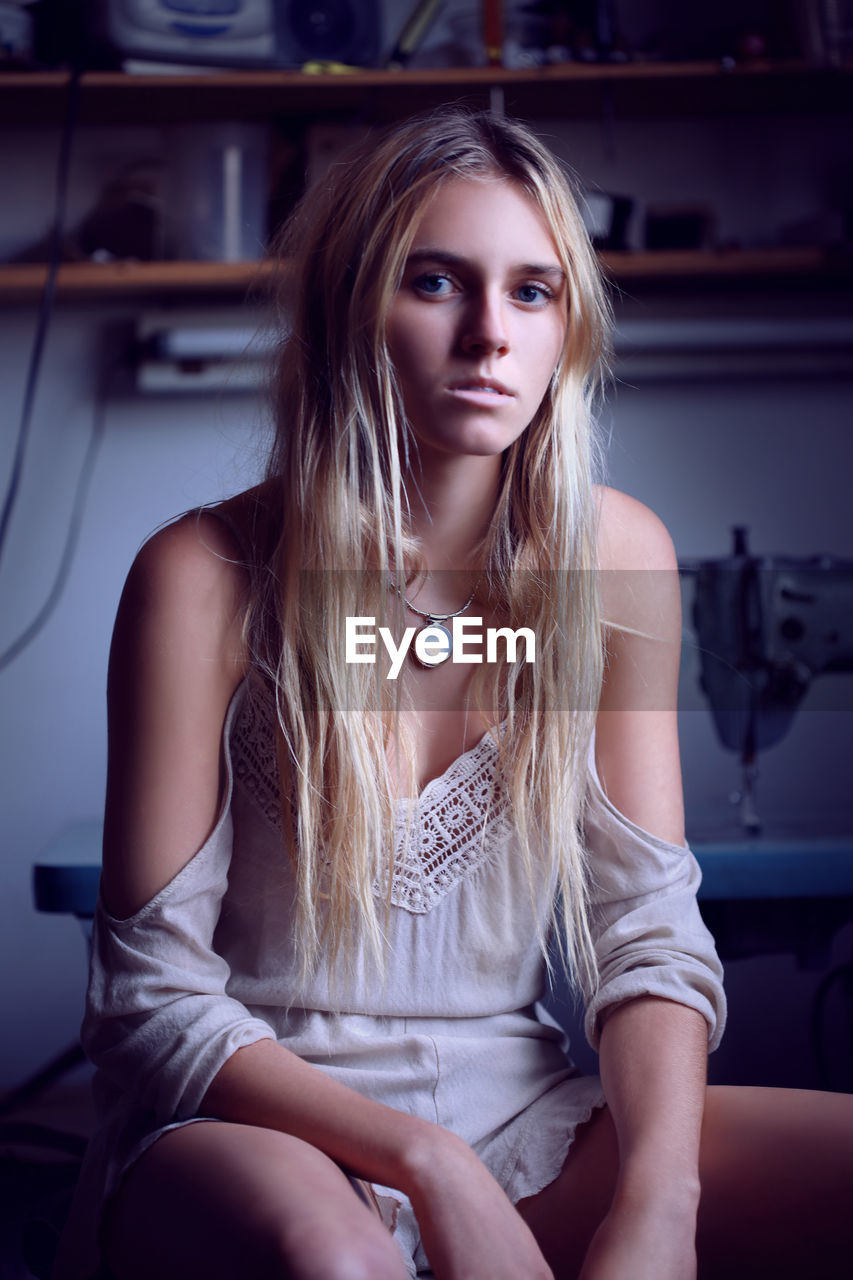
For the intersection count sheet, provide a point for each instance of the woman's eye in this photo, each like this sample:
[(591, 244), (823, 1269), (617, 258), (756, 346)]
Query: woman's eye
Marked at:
[(537, 294), (433, 285)]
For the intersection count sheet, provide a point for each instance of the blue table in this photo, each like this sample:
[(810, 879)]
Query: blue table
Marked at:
[(758, 897), (769, 894), (789, 893), (66, 878)]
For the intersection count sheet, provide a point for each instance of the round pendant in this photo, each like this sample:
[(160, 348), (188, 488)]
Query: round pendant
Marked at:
[(433, 645)]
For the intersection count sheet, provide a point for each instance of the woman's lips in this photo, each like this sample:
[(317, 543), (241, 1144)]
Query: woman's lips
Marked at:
[(481, 391)]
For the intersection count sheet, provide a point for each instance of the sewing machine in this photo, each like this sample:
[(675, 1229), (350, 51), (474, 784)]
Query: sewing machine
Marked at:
[(766, 627)]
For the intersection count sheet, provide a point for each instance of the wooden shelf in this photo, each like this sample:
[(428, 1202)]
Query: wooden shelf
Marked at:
[(569, 89), (730, 264), (108, 281), (116, 281)]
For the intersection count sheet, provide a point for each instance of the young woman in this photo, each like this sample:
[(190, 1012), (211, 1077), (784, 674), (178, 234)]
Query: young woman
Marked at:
[(332, 864)]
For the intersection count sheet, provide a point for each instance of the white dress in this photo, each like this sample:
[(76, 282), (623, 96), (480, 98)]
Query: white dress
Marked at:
[(453, 1033)]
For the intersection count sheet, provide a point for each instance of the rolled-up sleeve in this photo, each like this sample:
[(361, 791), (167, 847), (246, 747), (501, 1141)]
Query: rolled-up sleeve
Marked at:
[(649, 936), (159, 1022)]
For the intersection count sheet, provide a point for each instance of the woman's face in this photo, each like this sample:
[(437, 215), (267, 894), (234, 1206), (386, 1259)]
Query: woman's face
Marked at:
[(478, 324)]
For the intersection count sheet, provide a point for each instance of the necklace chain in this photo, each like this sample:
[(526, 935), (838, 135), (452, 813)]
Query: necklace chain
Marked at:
[(437, 617)]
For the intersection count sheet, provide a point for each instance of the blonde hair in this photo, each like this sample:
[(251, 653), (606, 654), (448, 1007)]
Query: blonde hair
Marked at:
[(334, 533)]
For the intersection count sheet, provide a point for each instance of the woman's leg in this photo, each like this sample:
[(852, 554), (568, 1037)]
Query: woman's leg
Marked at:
[(777, 1184), (564, 1216), (776, 1168), (215, 1201)]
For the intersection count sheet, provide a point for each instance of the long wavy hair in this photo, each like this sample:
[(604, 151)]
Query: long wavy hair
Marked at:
[(333, 532)]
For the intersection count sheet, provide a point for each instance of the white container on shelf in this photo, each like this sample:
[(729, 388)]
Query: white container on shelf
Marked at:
[(216, 192), (212, 32)]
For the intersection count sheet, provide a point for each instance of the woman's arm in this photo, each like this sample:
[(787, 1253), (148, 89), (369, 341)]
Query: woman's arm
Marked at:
[(159, 1022), (652, 1049), (175, 662), (653, 1056)]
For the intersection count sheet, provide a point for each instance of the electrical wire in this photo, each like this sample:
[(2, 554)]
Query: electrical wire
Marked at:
[(45, 306), (74, 526), (842, 974)]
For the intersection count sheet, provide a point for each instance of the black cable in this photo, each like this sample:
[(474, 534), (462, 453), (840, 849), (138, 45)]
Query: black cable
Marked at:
[(842, 973), (74, 527), (45, 306)]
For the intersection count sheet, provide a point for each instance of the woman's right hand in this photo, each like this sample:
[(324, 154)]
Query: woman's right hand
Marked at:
[(469, 1229)]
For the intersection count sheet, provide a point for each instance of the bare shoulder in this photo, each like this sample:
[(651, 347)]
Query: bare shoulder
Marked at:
[(636, 731), (183, 607), (192, 564), (630, 535), (638, 568)]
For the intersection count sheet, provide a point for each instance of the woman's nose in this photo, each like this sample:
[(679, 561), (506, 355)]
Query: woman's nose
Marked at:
[(485, 328)]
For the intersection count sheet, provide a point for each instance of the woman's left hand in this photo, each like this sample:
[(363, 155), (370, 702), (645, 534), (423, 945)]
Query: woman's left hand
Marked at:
[(642, 1242)]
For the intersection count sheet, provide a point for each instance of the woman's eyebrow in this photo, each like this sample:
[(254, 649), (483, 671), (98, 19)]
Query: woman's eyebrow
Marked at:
[(443, 257)]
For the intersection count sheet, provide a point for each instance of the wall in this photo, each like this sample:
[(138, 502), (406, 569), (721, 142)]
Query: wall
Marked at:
[(156, 460), (771, 452)]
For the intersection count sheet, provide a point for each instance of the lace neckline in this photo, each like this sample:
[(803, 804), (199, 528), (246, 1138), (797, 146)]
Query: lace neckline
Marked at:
[(460, 765), (455, 825)]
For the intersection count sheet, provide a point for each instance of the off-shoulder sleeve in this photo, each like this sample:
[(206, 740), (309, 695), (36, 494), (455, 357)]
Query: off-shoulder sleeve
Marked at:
[(649, 936), (159, 1022)]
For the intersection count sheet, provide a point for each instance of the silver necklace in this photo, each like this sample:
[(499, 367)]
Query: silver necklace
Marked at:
[(437, 621)]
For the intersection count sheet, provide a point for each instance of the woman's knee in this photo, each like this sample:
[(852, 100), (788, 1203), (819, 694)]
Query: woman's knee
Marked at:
[(229, 1200), (348, 1252), (332, 1236)]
